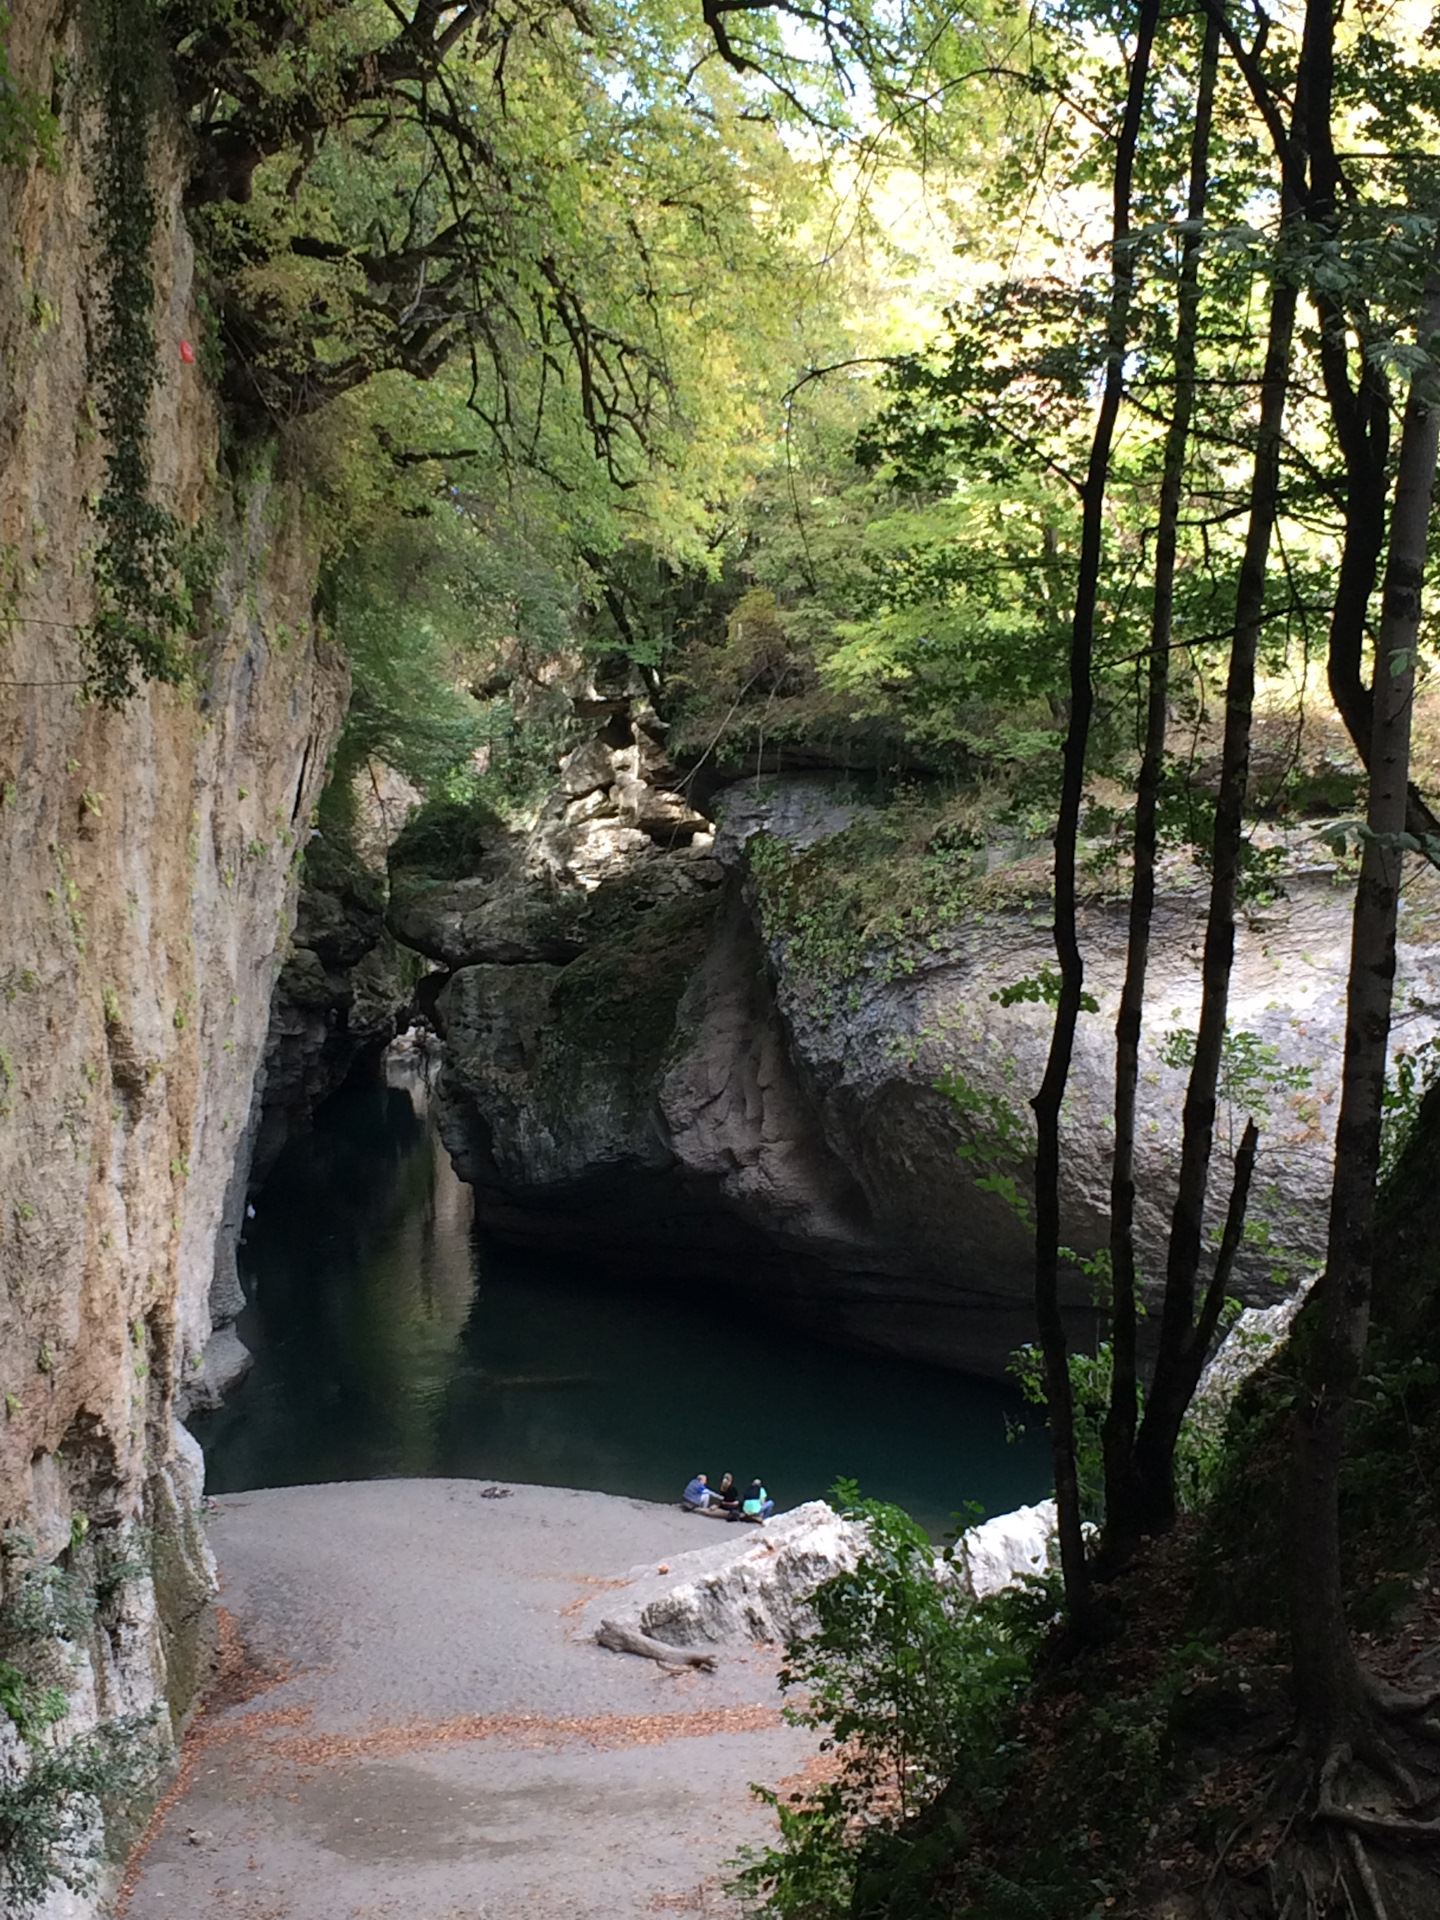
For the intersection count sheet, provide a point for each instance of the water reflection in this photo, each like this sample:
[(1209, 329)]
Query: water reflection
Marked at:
[(391, 1340)]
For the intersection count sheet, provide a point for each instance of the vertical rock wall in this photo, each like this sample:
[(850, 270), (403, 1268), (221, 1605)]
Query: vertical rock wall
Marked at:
[(148, 866)]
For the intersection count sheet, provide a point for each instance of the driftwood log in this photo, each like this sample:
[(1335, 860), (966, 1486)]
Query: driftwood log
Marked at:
[(623, 1639)]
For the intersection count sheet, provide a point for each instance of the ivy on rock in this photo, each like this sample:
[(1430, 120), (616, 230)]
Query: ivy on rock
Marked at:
[(137, 633)]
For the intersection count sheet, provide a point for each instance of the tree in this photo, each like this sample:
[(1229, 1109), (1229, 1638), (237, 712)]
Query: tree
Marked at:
[(1340, 1707), (1047, 1100), (1124, 1495), (567, 218), (978, 400)]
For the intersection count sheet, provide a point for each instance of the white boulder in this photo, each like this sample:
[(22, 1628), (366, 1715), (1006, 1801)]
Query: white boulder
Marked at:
[(1247, 1347), (753, 1584), (756, 1583), (1003, 1550)]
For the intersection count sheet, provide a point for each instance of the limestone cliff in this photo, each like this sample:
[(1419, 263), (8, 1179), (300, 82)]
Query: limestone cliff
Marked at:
[(674, 1090), (148, 864)]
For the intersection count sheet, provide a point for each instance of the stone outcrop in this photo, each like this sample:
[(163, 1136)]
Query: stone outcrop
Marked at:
[(757, 1583), (753, 1584), (148, 864), (638, 1071), (610, 844)]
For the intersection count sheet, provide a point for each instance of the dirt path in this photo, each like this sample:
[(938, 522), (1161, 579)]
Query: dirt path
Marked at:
[(409, 1723)]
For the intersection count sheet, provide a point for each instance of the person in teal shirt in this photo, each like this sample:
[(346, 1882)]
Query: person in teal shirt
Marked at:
[(756, 1504)]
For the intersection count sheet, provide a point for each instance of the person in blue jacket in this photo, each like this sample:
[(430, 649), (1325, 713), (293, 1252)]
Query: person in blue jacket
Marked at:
[(697, 1495)]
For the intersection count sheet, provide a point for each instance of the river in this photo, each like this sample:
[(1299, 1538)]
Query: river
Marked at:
[(391, 1338)]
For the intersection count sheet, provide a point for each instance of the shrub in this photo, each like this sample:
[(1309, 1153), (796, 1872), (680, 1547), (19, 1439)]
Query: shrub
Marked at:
[(50, 1827), (911, 1683)]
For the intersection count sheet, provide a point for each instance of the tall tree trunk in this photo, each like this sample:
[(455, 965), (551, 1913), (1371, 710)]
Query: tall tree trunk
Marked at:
[(1165, 1408), (1359, 409), (1361, 414), (1330, 1689), (1047, 1101), (1121, 1487)]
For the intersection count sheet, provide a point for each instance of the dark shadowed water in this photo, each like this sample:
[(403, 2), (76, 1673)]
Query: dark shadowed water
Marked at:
[(392, 1339)]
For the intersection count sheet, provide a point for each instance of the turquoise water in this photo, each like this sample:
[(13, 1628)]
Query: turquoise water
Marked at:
[(391, 1339)]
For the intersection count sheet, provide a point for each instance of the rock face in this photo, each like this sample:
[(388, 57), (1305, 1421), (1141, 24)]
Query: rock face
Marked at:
[(148, 868), (639, 1072), (340, 997)]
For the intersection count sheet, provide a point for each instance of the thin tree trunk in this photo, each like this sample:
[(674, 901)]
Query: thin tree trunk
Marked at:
[(1047, 1101), (1329, 1685), (1154, 1449), (1230, 1239), (1170, 1411), (1120, 1478), (1361, 414), (1362, 426)]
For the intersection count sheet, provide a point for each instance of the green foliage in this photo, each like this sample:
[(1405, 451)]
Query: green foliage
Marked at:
[(889, 1661), (1390, 1476), (1090, 1393), (394, 606), (51, 1830), (549, 172), (809, 1875), (452, 632), (28, 129), (30, 1705), (49, 1817), (42, 1601), (1412, 1072), (911, 1682), (138, 563), (1040, 989), (745, 677), (447, 839), (1251, 1070), (999, 1139), (1201, 1453)]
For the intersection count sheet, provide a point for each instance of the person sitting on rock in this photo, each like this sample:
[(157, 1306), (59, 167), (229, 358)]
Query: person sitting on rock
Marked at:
[(727, 1494), (756, 1504), (697, 1495)]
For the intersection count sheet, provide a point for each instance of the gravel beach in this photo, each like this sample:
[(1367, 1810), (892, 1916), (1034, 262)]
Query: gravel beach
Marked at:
[(411, 1721)]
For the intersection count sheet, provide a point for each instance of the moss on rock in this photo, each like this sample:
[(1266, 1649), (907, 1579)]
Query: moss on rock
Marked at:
[(619, 1001), (447, 840)]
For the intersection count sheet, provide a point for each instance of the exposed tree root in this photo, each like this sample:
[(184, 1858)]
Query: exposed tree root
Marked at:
[(1380, 1826), (1253, 1818), (623, 1639), (1365, 1874), (1357, 1839), (1342, 1757), (1400, 1703)]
